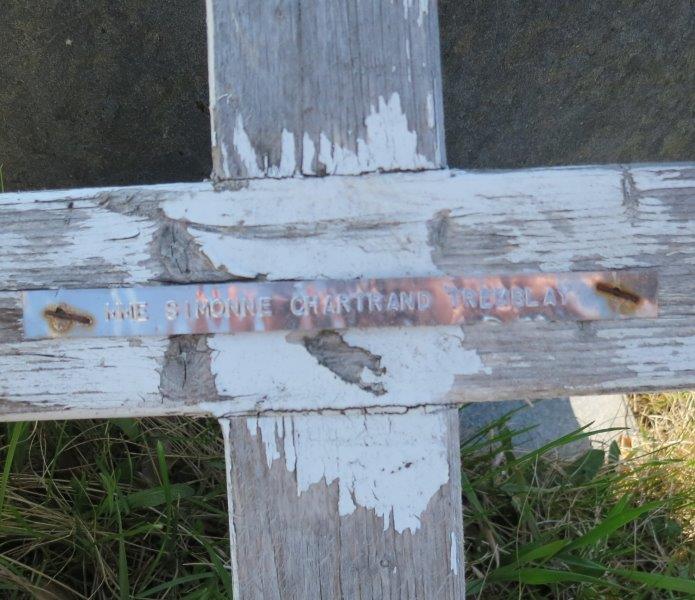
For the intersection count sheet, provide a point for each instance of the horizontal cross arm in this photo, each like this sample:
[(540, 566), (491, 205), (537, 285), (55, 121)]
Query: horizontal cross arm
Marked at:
[(399, 225)]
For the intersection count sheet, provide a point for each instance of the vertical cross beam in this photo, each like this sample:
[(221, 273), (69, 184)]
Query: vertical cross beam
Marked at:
[(324, 87), (356, 504), (346, 506)]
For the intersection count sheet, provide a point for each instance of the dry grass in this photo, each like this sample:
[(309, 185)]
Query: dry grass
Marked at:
[(667, 426)]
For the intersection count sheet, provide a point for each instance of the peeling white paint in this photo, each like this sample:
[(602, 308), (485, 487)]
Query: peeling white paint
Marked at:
[(244, 149), (95, 237), (260, 372), (389, 144), (97, 240), (648, 356), (268, 428), (326, 210), (531, 209), (557, 219), (317, 257), (37, 199), (430, 111), (376, 225), (225, 160), (288, 162), (454, 558), (392, 464), (664, 176), (334, 157), (420, 364)]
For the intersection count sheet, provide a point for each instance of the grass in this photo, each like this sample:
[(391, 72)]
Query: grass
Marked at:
[(137, 509), (613, 524), (668, 421)]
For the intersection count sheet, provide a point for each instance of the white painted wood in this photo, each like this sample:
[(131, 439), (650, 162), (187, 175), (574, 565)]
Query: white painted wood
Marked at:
[(487, 362), (451, 222), (346, 506), (373, 226)]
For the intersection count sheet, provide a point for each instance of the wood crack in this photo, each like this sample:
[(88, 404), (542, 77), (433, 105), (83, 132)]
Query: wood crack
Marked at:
[(175, 253), (631, 195)]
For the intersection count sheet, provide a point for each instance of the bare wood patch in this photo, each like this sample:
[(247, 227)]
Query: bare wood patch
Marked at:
[(186, 376), (346, 361)]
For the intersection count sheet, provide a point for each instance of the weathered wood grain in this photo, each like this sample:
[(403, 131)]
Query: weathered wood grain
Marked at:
[(422, 224), (320, 87), (582, 218), (346, 506)]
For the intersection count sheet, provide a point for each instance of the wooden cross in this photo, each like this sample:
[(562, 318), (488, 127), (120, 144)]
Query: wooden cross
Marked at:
[(329, 163)]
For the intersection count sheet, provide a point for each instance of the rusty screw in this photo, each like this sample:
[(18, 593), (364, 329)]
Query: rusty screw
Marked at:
[(62, 318), (614, 290)]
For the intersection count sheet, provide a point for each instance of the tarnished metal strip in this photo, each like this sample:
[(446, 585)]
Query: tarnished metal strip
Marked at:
[(311, 305)]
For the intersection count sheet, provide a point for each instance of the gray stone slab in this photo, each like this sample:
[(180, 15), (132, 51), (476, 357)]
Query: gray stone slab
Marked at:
[(554, 82), (96, 92), (554, 418)]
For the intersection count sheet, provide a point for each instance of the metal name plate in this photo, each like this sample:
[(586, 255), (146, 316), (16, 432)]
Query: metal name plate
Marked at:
[(310, 305)]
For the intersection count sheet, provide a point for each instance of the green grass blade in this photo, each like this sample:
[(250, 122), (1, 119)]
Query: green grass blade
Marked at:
[(470, 495), (612, 523), (16, 432), (582, 565), (620, 506), (164, 473), (587, 466), (112, 504), (657, 581), (168, 585), (541, 576), (496, 424), (129, 427), (574, 436), (528, 554), (123, 578), (493, 442), (159, 495), (223, 574)]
